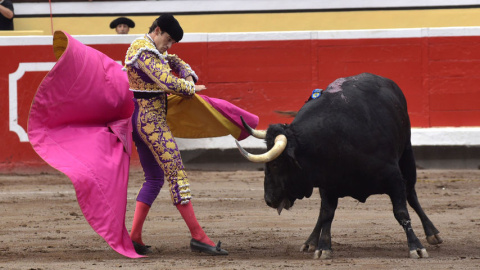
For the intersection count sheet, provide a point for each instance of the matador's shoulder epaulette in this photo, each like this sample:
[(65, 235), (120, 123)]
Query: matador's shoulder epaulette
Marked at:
[(137, 47)]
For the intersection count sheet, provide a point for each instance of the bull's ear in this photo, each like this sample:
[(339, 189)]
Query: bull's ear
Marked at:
[(291, 154)]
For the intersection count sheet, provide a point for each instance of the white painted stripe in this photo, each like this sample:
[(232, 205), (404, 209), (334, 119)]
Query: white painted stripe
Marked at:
[(22, 41), (13, 94), (202, 6), (260, 36), (380, 33), (48, 40), (224, 142), (468, 136)]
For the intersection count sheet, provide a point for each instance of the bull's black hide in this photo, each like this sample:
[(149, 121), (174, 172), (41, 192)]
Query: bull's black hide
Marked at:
[(354, 140)]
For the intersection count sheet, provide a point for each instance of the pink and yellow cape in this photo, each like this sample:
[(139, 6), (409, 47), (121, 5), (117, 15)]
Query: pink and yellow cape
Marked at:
[(79, 123)]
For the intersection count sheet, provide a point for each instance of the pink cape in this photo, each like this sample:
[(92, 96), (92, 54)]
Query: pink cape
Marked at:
[(79, 123)]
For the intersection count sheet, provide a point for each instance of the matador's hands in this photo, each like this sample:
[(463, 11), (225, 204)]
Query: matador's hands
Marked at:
[(199, 87)]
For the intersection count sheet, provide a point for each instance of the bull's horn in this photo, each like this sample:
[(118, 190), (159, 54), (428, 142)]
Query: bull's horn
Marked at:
[(259, 134), (277, 149), (287, 113)]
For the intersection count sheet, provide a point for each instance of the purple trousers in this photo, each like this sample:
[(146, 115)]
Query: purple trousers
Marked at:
[(158, 152), (154, 176)]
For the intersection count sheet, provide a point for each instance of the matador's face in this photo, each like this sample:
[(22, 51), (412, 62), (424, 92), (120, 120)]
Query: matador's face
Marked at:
[(163, 41)]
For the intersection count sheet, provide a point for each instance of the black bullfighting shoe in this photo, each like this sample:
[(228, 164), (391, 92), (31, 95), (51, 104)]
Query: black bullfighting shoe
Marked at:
[(197, 246), (142, 249)]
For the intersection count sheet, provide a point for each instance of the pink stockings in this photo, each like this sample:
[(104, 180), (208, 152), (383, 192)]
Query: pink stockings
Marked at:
[(188, 215), (141, 212), (186, 210)]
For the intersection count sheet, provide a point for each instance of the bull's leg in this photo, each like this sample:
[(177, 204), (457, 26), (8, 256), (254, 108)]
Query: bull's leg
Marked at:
[(327, 212), (433, 235), (400, 212), (312, 241), (409, 172)]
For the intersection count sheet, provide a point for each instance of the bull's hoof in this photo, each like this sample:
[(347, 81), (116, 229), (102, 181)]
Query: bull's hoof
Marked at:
[(323, 254), (434, 239), (308, 248), (418, 253)]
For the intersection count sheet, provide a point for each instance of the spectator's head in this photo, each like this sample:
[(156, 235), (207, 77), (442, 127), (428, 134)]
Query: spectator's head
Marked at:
[(122, 25)]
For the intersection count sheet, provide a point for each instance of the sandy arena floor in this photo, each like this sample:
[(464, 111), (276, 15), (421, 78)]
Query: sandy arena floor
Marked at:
[(42, 227)]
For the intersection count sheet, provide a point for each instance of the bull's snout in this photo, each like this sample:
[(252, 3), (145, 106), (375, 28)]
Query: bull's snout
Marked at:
[(269, 200), (277, 203)]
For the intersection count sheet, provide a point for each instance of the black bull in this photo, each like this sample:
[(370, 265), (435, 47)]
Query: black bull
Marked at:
[(354, 140)]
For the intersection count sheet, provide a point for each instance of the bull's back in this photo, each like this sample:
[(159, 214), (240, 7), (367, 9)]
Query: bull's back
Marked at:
[(360, 120)]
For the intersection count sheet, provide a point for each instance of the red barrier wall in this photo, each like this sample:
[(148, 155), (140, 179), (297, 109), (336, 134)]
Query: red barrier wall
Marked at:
[(439, 76)]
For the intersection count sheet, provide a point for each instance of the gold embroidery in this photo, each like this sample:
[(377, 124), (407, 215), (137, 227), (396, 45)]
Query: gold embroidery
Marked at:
[(155, 133), (151, 122), (149, 128), (166, 156), (139, 60), (170, 145), (153, 137)]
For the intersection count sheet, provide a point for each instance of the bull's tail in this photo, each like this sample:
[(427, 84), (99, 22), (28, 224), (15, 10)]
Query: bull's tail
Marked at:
[(408, 167)]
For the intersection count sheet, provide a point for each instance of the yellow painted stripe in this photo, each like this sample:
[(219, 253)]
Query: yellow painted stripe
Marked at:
[(220, 23)]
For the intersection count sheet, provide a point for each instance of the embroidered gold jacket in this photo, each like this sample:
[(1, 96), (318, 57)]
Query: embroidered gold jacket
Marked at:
[(151, 71)]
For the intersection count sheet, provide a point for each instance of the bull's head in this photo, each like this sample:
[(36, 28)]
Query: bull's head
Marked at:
[(281, 168)]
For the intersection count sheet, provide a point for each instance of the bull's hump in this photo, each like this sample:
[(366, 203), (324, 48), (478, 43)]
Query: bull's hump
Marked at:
[(335, 86)]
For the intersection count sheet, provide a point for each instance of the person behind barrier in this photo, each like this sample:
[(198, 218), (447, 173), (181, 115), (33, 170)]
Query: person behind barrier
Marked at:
[(6, 15), (122, 25)]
